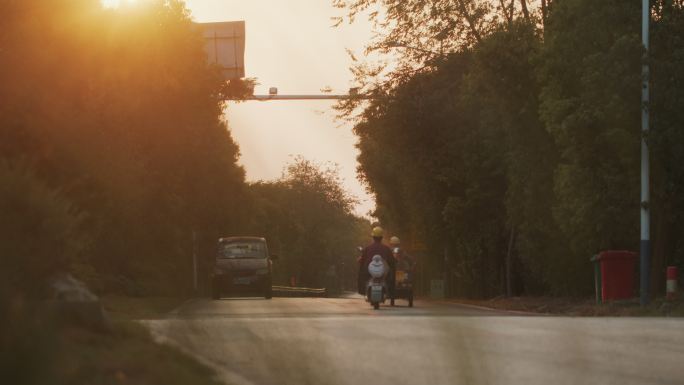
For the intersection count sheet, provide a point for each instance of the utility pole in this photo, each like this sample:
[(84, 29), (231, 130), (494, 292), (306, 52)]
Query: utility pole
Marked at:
[(645, 244)]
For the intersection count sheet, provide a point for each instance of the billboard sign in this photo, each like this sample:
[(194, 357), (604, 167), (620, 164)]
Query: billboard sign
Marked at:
[(225, 46)]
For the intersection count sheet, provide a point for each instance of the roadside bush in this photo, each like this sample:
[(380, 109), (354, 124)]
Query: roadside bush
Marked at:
[(39, 232), (27, 341)]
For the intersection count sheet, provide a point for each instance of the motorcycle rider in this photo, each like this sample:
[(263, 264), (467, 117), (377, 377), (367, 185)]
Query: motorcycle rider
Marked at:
[(405, 264), (404, 261), (375, 248)]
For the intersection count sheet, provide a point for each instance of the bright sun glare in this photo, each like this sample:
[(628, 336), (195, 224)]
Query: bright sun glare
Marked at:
[(115, 3)]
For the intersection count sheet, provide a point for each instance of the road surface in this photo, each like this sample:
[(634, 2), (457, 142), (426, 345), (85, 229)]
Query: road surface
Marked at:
[(343, 341)]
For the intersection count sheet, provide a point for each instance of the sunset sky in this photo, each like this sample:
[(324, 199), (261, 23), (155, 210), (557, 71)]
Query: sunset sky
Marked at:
[(292, 45)]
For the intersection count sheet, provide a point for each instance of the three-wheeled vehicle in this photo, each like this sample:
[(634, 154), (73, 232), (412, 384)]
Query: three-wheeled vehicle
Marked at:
[(403, 281)]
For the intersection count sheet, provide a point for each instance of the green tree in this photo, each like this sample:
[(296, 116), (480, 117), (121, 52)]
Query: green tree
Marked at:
[(520, 147), (307, 218), (666, 140), (41, 232), (590, 104), (122, 112)]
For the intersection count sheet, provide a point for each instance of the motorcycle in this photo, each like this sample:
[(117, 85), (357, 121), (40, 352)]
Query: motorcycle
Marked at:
[(376, 288)]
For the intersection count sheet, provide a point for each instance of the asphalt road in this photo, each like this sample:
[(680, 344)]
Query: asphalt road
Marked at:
[(343, 341)]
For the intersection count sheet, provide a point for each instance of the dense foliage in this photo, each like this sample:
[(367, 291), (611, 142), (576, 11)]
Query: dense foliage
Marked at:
[(31, 210), (116, 163), (308, 220), (506, 146), (502, 146), (119, 111)]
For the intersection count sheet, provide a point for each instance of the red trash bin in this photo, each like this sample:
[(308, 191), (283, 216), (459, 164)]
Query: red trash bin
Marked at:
[(617, 274)]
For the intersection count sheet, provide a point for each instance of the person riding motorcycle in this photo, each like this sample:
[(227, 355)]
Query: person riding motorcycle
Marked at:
[(402, 274), (367, 253), (404, 261)]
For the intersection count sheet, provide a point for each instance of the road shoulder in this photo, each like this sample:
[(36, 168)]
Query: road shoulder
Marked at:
[(576, 307)]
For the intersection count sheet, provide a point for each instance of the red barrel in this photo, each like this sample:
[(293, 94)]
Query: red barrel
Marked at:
[(617, 274)]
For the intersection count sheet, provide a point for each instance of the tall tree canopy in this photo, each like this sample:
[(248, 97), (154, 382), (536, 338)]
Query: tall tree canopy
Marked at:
[(507, 139), (119, 109), (415, 35), (307, 218)]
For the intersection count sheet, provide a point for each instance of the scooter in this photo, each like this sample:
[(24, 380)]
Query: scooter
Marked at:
[(376, 289)]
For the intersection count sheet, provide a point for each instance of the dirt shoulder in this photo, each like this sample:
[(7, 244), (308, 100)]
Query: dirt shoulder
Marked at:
[(122, 308), (42, 348), (581, 307), (128, 353)]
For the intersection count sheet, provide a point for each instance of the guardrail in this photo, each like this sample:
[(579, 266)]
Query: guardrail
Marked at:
[(288, 291)]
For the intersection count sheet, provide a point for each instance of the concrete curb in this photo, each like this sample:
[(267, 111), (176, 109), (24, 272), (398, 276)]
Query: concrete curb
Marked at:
[(478, 307)]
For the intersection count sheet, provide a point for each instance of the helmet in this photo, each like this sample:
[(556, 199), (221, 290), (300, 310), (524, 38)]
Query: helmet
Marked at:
[(377, 232), (394, 241)]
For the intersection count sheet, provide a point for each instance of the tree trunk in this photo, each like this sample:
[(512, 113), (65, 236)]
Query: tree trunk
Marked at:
[(507, 11), (509, 286), (661, 249), (525, 11), (471, 23)]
